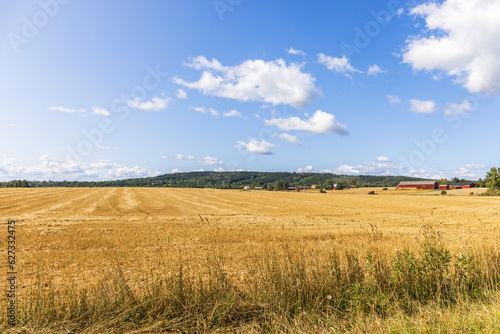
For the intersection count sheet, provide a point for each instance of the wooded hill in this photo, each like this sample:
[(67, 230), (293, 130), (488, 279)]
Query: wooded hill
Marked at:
[(230, 180)]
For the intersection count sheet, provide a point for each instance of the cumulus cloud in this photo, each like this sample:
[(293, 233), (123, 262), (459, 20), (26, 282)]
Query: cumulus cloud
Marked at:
[(209, 161), (374, 70), (155, 104), (289, 138), (48, 168), (63, 109), (292, 51), (423, 174), (306, 169), (453, 109), (393, 99), (255, 146), (462, 42), (181, 94), (274, 82), (204, 110), (370, 168), (182, 157), (232, 113), (100, 111), (340, 65), (319, 122), (383, 159), (469, 171), (423, 107)]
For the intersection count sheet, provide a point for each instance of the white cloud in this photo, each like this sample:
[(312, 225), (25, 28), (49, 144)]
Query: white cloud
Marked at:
[(63, 109), (423, 107), (274, 82), (453, 109), (181, 94), (100, 147), (182, 157), (255, 146), (204, 110), (423, 174), (289, 138), (176, 170), (340, 65), (256, 115), (156, 104), (202, 161), (319, 122), (462, 42), (100, 111), (393, 99), (306, 169), (292, 51), (126, 172), (48, 168), (375, 70), (232, 113), (474, 166), (382, 166), (209, 161), (469, 171)]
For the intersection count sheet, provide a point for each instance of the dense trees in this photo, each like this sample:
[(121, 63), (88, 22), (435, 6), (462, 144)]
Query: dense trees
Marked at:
[(229, 180), (15, 184), (493, 179)]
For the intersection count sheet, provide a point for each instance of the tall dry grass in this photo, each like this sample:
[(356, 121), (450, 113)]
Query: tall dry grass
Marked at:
[(167, 260), (285, 287)]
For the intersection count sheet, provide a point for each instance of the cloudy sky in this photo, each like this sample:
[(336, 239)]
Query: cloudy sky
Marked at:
[(98, 90)]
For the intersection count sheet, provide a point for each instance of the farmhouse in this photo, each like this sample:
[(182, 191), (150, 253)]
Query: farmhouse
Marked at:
[(418, 185), (462, 185)]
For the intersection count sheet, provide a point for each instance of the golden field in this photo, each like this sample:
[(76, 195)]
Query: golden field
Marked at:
[(71, 240)]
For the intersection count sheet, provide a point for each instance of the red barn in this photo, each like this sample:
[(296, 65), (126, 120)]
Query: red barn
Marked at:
[(444, 187), (418, 185), (462, 185)]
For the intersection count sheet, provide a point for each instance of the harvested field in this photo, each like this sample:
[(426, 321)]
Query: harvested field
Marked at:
[(73, 239)]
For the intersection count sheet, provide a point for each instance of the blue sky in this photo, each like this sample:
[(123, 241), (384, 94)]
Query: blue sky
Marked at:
[(94, 90)]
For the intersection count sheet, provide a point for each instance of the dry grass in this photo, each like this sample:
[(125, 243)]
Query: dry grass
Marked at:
[(117, 250)]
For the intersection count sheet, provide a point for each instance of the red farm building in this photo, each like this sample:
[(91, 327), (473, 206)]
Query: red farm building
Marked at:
[(462, 185), (418, 185), (444, 187)]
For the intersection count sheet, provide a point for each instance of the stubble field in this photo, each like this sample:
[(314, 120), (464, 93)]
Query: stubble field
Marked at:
[(89, 257)]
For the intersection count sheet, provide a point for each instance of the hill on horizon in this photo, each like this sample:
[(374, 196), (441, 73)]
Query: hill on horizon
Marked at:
[(233, 180)]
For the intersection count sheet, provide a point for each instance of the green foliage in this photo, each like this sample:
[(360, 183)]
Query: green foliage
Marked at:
[(493, 179), (342, 184), (443, 182), (230, 180), (443, 192)]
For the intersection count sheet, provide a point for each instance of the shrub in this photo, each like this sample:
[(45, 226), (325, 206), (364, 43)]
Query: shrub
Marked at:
[(443, 192)]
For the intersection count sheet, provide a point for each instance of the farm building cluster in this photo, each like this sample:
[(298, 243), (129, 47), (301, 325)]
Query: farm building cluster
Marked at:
[(434, 185)]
